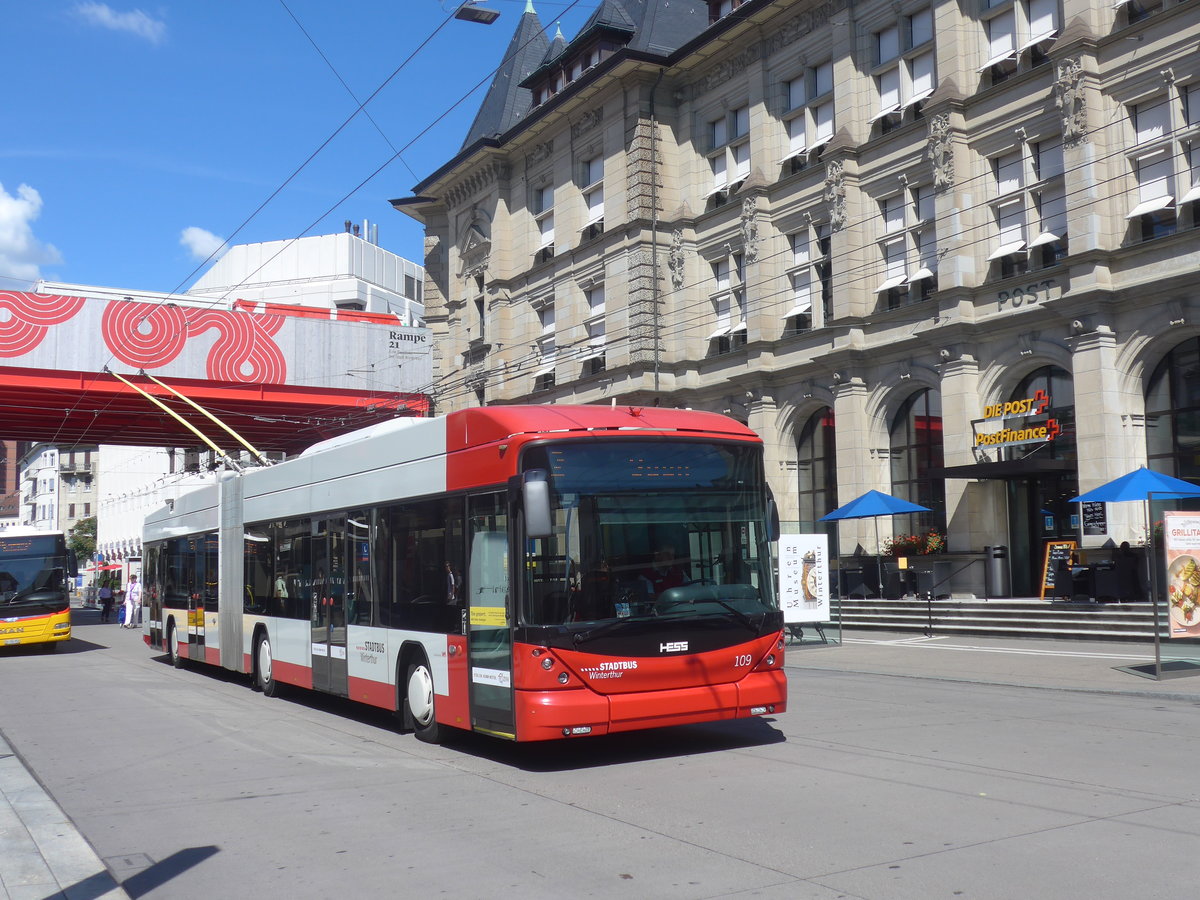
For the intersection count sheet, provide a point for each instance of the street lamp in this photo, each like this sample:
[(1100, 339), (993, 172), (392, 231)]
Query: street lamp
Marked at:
[(471, 11)]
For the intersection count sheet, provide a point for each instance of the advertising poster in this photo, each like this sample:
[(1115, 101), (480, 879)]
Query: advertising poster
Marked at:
[(804, 577), (1181, 539)]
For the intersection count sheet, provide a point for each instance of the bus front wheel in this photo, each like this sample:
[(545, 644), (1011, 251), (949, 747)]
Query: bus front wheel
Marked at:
[(264, 669), (419, 712)]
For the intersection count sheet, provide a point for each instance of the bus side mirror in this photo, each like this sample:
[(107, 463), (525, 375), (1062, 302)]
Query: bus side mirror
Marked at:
[(772, 520), (535, 494), (72, 563)]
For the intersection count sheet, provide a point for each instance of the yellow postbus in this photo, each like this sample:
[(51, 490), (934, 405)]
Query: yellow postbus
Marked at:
[(35, 603)]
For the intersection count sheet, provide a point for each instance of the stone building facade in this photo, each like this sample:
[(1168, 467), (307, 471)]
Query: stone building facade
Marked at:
[(943, 250)]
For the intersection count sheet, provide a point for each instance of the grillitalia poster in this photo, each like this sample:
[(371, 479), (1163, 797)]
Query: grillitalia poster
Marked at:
[(1181, 538), (804, 577)]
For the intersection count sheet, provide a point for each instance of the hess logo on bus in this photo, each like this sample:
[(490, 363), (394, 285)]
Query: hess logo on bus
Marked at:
[(673, 647)]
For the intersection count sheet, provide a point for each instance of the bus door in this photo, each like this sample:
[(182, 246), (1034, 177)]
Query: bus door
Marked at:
[(489, 615), (329, 605)]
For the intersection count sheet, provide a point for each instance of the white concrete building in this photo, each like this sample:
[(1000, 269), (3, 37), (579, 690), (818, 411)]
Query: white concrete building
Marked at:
[(338, 271)]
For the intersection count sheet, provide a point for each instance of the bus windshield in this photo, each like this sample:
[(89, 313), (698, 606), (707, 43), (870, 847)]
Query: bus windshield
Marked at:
[(32, 572), (650, 529)]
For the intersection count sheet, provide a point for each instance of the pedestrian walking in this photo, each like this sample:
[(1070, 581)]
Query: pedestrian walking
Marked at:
[(106, 602), (133, 602)]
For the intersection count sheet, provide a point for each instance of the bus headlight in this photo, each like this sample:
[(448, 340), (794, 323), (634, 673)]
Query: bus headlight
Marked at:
[(771, 659), (563, 677), (548, 663)]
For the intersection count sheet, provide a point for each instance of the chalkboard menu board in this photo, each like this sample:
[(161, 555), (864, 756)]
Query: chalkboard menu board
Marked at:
[(1095, 520), (1056, 552)]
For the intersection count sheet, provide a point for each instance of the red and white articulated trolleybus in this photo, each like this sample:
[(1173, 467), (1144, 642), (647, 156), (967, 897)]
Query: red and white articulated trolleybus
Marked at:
[(530, 572)]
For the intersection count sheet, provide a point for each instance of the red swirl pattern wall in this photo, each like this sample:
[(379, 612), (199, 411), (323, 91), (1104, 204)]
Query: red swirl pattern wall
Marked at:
[(149, 335), (152, 335), (25, 319)]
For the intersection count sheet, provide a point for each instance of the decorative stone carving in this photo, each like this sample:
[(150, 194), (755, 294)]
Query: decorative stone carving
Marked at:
[(675, 258), (1071, 100), (587, 122), (750, 229), (480, 178), (539, 153), (476, 252), (835, 193), (781, 36), (941, 152)]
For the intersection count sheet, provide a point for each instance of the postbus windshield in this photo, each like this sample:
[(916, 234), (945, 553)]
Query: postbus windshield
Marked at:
[(32, 573), (650, 528)]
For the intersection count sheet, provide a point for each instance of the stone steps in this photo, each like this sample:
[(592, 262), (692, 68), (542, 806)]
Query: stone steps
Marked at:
[(1062, 619)]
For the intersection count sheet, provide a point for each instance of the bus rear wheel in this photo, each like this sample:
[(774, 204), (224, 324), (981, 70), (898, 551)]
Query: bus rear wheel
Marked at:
[(173, 647), (420, 714), (264, 668)]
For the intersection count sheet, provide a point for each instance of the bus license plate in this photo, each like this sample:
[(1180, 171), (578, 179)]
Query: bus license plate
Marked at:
[(8, 641)]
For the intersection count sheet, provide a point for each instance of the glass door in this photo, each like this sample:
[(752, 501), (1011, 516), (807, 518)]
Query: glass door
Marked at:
[(329, 604), (489, 615)]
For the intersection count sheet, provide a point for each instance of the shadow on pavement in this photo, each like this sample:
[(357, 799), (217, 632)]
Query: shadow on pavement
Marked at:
[(93, 886), (165, 870), (540, 756)]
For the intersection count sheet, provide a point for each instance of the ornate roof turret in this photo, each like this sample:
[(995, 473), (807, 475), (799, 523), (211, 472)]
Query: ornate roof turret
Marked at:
[(506, 102)]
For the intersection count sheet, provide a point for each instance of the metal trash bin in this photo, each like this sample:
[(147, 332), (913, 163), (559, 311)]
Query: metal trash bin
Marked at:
[(995, 571)]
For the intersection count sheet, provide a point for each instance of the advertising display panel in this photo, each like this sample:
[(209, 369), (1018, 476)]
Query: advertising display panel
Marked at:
[(804, 577), (1181, 540)]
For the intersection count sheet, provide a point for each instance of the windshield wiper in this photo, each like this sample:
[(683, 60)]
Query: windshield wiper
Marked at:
[(582, 637)]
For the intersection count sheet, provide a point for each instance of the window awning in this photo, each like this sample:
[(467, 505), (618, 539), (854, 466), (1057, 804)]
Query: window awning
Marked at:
[(799, 152), (1044, 36), (921, 274), (894, 282), (886, 111), (1150, 206), (720, 332), (1046, 237), (544, 370), (1007, 250), (918, 97), (996, 60), (1193, 194), (799, 309), (740, 326)]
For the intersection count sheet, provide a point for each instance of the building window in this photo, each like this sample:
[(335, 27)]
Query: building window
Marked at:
[(729, 157), (907, 247), (824, 268), (916, 453), (727, 300), (1173, 412), (592, 187), (905, 68), (718, 9), (1029, 207), (804, 282), (1138, 10), (1152, 206), (1018, 33), (543, 376), (543, 215), (808, 114), (87, 510), (816, 472), (593, 350)]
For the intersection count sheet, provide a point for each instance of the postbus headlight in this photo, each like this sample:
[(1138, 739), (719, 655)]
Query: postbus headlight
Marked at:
[(563, 677), (548, 663), (771, 659)]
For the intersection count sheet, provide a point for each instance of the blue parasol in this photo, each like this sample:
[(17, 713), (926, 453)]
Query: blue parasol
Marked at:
[(872, 505)]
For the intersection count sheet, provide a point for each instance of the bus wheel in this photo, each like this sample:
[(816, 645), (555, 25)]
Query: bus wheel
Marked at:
[(419, 713), (264, 669), (173, 647)]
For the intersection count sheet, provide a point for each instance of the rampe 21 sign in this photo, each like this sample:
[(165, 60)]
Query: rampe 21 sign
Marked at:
[(1018, 409)]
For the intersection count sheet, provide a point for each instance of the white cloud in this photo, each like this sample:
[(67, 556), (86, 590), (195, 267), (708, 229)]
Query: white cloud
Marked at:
[(21, 253), (200, 243), (136, 22)]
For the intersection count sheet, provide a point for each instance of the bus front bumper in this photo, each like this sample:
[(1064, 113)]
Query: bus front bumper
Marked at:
[(553, 715)]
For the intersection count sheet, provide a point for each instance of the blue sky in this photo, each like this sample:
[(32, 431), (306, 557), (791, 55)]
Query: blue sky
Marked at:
[(139, 136)]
